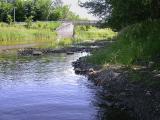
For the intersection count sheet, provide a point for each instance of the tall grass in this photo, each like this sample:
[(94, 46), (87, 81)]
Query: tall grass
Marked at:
[(139, 41), (93, 33), (13, 36), (18, 34), (46, 25)]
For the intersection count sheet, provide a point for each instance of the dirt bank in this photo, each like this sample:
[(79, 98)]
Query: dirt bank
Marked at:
[(134, 90)]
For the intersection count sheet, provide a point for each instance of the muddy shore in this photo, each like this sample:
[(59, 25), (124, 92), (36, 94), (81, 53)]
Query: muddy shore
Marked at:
[(125, 89)]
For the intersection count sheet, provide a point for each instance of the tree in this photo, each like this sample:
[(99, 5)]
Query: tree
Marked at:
[(42, 10), (20, 11), (29, 8), (5, 10), (100, 8), (63, 12), (120, 13), (57, 3)]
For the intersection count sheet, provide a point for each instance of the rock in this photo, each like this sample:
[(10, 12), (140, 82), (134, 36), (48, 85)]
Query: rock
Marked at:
[(157, 76), (148, 93), (110, 96), (112, 75), (155, 71), (25, 52), (37, 53), (150, 64), (109, 104), (122, 94), (115, 75), (70, 53), (91, 70), (80, 71)]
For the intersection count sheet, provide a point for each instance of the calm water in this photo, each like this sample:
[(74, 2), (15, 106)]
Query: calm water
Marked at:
[(45, 88)]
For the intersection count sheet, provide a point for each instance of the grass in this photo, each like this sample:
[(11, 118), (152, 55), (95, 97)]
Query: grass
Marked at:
[(93, 33), (46, 25), (40, 32), (66, 42), (13, 36), (140, 41)]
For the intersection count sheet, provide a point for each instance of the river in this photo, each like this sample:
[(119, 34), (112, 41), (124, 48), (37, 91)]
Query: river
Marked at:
[(45, 88)]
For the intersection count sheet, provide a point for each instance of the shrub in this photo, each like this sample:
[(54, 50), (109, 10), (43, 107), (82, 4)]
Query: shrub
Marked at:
[(9, 19), (28, 21)]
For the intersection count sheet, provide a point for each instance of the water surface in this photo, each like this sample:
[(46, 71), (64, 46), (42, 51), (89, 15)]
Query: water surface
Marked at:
[(44, 88)]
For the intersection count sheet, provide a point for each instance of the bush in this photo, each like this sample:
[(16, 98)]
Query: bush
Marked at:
[(28, 21), (9, 19)]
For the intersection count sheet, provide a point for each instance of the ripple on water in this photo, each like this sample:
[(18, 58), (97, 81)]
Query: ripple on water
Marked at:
[(44, 88)]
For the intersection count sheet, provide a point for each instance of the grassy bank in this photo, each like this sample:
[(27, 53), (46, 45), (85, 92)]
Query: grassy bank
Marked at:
[(44, 34), (140, 41), (40, 32), (93, 33)]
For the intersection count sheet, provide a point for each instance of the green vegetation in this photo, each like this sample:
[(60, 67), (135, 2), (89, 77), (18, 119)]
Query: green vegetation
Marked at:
[(8, 56), (120, 13), (40, 10), (44, 32), (140, 41), (19, 34), (93, 33), (9, 19), (45, 25), (29, 21), (29, 31), (66, 42)]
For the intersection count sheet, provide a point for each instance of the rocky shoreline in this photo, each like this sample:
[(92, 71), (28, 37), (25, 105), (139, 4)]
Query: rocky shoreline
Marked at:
[(81, 47), (120, 92)]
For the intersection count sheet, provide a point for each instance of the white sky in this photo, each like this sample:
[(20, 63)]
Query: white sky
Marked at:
[(82, 12)]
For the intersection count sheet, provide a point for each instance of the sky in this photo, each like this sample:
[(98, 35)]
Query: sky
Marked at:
[(82, 12)]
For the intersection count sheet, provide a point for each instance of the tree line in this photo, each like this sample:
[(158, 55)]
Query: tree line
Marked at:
[(40, 10), (120, 13)]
